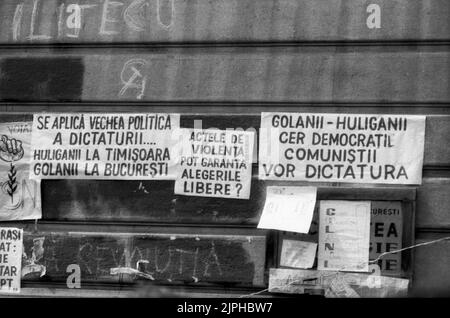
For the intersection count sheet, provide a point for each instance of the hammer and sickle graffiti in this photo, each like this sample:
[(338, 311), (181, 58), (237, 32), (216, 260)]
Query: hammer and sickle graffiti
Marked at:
[(132, 77)]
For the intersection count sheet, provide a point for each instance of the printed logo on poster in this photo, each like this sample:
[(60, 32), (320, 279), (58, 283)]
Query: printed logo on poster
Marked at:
[(20, 198)]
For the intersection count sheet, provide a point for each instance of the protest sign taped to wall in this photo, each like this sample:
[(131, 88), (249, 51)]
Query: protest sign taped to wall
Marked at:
[(344, 235), (104, 146), (288, 209), (20, 197), (384, 149), (298, 254), (11, 245), (215, 163), (386, 233)]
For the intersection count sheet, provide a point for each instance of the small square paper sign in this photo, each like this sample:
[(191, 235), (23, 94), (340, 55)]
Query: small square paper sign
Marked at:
[(298, 254), (288, 209)]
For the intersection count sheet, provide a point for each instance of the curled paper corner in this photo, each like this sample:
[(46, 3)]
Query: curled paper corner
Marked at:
[(374, 279), (130, 271), (33, 271)]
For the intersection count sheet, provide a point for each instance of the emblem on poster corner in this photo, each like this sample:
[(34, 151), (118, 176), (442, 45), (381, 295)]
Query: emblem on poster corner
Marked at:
[(11, 151)]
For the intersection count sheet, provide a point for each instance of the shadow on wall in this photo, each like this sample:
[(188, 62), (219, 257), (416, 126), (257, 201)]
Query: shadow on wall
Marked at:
[(145, 289), (44, 79)]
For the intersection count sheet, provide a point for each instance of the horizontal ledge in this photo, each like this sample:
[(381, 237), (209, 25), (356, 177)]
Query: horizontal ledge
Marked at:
[(223, 108), (430, 234), (41, 289), (207, 44), (137, 48), (428, 228), (135, 228), (139, 225), (237, 103)]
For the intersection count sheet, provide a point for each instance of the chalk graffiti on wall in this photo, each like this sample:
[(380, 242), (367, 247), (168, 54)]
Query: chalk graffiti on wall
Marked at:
[(133, 78), (105, 18), (169, 258)]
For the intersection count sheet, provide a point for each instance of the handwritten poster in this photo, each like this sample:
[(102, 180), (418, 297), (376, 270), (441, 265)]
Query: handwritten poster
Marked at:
[(104, 146), (20, 198), (344, 233), (10, 259), (386, 233), (385, 149), (288, 209), (215, 163), (298, 254)]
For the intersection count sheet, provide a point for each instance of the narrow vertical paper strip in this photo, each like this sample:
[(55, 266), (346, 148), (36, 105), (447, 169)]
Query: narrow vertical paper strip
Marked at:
[(344, 235)]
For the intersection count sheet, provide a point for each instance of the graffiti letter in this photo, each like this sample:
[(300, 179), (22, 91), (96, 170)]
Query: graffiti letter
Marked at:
[(215, 260), (374, 19), (133, 15), (17, 21), (74, 279), (105, 19), (74, 19), (165, 13), (33, 22)]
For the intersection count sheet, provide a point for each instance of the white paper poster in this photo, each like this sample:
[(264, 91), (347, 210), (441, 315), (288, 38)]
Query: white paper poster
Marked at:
[(105, 146), (288, 209), (20, 198), (344, 234), (215, 163), (386, 233), (384, 149), (298, 254), (334, 284), (11, 242)]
